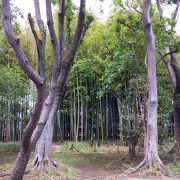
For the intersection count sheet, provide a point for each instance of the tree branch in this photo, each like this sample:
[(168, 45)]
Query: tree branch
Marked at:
[(176, 10), (28, 69), (159, 8), (61, 28), (15, 43), (168, 67), (31, 22)]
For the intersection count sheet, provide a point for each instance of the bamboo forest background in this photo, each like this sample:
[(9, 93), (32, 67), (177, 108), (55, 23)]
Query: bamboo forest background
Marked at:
[(106, 93)]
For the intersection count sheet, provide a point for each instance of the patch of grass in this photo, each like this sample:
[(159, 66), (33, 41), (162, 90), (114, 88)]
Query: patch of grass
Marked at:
[(6, 166), (80, 146), (10, 147), (173, 168), (85, 147)]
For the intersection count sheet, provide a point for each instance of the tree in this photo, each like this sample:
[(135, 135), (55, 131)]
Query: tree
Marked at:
[(151, 151), (175, 77), (42, 108), (43, 147)]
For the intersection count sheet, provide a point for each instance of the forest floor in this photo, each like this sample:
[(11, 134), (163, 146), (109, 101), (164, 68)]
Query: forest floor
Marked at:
[(84, 162)]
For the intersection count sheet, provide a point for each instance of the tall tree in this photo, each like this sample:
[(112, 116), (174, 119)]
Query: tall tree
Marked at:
[(175, 77), (43, 148), (151, 153), (42, 108)]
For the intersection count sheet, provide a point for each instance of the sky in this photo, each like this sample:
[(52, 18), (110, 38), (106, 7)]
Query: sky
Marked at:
[(94, 5)]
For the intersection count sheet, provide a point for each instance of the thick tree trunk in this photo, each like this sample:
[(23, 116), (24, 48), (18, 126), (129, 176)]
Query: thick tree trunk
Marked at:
[(43, 147), (43, 154), (151, 158), (177, 120), (176, 98), (175, 79)]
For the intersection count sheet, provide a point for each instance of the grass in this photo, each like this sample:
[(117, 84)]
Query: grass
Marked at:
[(85, 147), (10, 147), (108, 157)]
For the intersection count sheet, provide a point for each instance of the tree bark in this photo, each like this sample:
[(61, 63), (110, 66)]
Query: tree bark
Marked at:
[(107, 117), (23, 156), (43, 149), (78, 108), (176, 99), (151, 157), (175, 79)]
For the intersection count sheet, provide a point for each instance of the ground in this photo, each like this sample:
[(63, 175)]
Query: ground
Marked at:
[(90, 163)]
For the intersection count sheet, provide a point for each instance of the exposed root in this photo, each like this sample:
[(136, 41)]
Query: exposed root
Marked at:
[(43, 164), (156, 168), (134, 170), (5, 174)]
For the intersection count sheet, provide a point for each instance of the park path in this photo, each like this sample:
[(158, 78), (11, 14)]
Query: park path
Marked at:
[(99, 171)]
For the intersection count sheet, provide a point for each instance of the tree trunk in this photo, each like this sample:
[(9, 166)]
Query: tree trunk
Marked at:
[(101, 120), (132, 146), (78, 109), (86, 122), (107, 117), (176, 98), (65, 65), (43, 147), (74, 106), (120, 124), (151, 158), (71, 120), (82, 119)]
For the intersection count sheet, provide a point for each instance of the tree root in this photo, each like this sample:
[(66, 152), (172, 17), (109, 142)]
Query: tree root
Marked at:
[(5, 174), (156, 167), (43, 164)]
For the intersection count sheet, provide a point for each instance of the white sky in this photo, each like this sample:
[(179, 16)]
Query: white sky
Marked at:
[(94, 5), (27, 6)]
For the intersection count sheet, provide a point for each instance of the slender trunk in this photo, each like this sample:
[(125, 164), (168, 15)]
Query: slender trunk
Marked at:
[(107, 117), (71, 119), (120, 123), (78, 107), (101, 119), (82, 118), (86, 122), (58, 114), (74, 105)]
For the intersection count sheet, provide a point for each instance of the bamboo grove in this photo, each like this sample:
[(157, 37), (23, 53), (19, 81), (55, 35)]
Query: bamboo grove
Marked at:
[(106, 95)]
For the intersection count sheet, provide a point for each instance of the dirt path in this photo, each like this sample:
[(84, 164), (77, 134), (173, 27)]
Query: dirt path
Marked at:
[(91, 172), (98, 173), (104, 166)]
